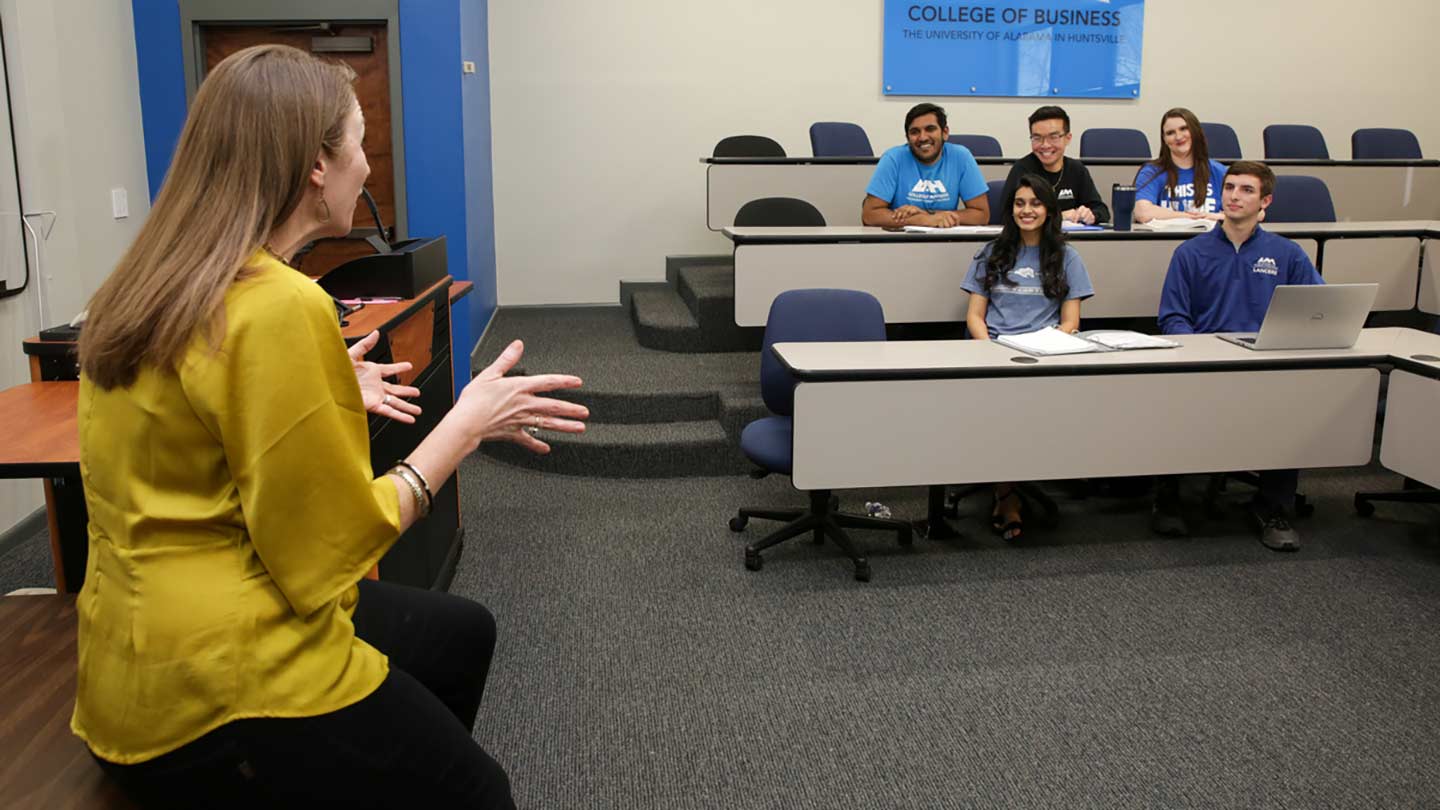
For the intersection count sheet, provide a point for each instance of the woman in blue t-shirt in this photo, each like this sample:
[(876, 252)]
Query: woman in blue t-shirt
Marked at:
[(1183, 182), (1026, 279)]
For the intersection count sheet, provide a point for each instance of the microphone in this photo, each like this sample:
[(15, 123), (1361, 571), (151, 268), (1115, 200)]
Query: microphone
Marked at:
[(381, 243)]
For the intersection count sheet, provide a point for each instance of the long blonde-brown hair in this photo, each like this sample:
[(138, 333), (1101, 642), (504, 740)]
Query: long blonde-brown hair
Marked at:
[(255, 129)]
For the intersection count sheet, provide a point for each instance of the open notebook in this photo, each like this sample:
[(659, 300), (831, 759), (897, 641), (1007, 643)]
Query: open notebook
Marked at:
[(1051, 341), (1176, 225), (980, 229)]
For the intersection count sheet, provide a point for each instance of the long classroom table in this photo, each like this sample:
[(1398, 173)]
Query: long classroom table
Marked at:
[(1208, 406), (1363, 190), (916, 276)]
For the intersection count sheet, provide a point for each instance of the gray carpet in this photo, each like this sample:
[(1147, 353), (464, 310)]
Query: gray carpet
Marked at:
[(640, 665)]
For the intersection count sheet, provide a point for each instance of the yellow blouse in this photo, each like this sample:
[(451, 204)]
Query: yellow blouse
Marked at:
[(232, 511)]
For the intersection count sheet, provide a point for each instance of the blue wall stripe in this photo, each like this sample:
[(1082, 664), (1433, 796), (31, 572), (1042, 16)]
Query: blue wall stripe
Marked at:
[(162, 83)]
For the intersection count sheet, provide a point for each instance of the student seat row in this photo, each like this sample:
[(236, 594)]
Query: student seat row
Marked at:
[(1282, 142)]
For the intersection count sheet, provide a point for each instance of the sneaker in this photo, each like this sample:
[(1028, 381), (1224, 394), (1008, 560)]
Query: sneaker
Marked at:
[(1276, 533), (1166, 518)]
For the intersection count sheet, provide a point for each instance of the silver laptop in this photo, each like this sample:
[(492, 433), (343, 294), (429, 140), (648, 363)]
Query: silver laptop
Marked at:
[(1311, 316)]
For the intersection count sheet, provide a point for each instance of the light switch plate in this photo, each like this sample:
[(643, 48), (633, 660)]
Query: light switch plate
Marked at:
[(119, 203)]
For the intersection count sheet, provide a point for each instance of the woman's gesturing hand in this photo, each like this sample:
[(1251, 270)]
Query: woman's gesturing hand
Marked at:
[(513, 408), (380, 397)]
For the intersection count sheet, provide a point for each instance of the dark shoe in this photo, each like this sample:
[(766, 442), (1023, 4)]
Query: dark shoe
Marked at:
[(1276, 533), (1165, 516)]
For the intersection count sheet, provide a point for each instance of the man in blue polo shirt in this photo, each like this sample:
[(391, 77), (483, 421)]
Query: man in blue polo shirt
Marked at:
[(1222, 281), (929, 181)]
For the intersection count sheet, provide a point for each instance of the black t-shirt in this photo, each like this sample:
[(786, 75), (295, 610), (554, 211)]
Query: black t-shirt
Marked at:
[(1072, 184)]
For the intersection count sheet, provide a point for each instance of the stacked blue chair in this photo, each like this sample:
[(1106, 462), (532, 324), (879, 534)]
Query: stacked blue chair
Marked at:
[(839, 139), (1114, 143), (1384, 144), (748, 146), (1221, 141), (996, 195), (1294, 142), (979, 145), (807, 315), (1300, 198)]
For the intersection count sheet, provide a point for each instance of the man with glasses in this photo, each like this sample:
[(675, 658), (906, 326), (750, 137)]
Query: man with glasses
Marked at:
[(1080, 201)]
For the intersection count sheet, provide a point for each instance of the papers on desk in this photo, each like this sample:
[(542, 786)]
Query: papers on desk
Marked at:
[(1179, 224), (1051, 341), (988, 230), (1048, 341), (1079, 226)]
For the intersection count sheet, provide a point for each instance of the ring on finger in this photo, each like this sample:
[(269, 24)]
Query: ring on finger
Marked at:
[(386, 400), (533, 431)]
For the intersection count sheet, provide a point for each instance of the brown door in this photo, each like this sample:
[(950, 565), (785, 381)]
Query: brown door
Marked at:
[(343, 42)]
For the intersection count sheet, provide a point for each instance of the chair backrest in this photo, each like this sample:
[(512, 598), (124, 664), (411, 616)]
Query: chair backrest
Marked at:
[(1221, 141), (1300, 198), (996, 195), (812, 315), (839, 139), (779, 212), (979, 145), (1384, 144), (1114, 143), (748, 146), (1294, 141)]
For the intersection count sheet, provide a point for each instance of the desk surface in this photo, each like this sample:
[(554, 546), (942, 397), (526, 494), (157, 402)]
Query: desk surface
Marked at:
[(865, 233), (43, 438), (44, 765), (941, 359)]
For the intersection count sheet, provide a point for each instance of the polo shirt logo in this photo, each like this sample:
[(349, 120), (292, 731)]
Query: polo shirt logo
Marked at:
[(1267, 266)]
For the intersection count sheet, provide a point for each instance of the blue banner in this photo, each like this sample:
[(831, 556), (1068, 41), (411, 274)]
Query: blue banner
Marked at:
[(1051, 48)]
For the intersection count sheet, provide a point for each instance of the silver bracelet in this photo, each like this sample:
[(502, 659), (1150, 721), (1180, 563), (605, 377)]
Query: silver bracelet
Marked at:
[(422, 507)]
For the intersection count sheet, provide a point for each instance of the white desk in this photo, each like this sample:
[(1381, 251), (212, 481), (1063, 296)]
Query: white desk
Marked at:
[(1410, 442), (917, 277), (928, 412), (1363, 191)]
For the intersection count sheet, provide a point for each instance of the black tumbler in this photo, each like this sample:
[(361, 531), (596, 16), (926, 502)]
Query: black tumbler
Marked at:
[(1122, 206)]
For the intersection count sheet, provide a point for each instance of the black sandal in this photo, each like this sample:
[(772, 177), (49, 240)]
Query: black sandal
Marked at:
[(1009, 530)]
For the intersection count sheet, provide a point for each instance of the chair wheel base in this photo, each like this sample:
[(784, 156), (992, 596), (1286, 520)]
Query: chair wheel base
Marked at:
[(862, 570), (1363, 506), (753, 560), (738, 523)]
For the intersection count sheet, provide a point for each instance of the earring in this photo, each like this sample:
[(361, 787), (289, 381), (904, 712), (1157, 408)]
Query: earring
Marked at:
[(323, 206)]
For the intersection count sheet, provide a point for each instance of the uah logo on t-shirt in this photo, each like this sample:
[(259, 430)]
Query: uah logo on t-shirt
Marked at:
[(1067, 194), (1266, 265), (929, 191), (1025, 272), (1020, 288)]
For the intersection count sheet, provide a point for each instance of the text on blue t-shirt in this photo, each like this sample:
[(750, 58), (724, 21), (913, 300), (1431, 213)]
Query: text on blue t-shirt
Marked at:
[(944, 185), (1017, 303), (1150, 185)]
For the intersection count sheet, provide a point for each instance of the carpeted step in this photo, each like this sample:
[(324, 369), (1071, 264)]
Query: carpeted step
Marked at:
[(662, 321), (709, 292), (669, 450)]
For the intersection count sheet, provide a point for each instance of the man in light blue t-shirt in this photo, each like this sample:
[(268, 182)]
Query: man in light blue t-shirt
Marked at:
[(927, 182)]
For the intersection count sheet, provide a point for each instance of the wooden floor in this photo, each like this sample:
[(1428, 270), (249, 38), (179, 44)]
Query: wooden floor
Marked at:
[(42, 764)]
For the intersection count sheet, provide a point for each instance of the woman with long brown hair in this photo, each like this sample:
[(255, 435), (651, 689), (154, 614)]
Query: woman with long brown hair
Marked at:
[(231, 653), (1183, 182)]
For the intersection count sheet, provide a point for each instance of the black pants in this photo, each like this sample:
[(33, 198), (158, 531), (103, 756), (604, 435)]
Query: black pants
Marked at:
[(1276, 493), (407, 744)]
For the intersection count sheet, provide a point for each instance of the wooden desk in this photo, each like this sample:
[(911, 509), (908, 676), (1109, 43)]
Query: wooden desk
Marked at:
[(415, 330), (46, 445), (42, 764), (1362, 190), (916, 276)]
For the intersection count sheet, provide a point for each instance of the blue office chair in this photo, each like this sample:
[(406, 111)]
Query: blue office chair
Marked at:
[(996, 195), (781, 212), (1221, 141), (1114, 143), (748, 146), (1300, 198), (807, 315), (1294, 142), (979, 145), (839, 139), (1384, 144)]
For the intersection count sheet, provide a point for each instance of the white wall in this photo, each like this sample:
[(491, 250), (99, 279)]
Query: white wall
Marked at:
[(601, 110), (75, 98)]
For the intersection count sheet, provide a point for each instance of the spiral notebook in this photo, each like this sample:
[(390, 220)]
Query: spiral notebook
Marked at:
[(1052, 341)]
